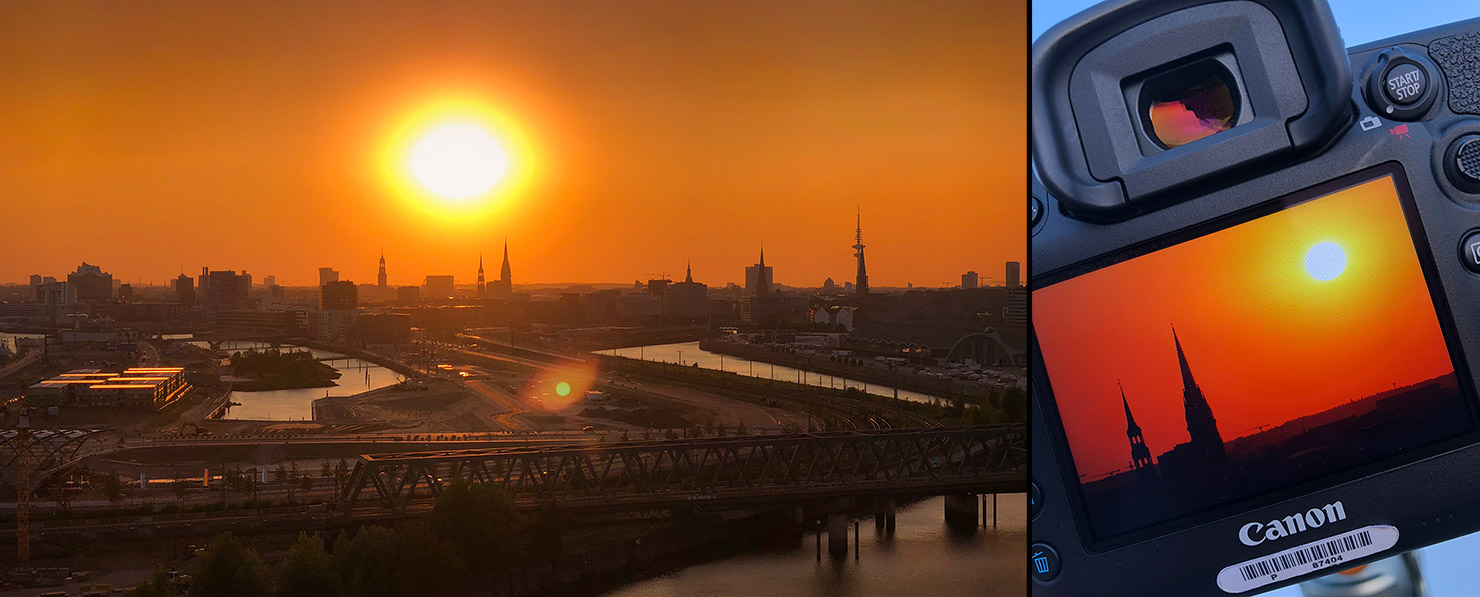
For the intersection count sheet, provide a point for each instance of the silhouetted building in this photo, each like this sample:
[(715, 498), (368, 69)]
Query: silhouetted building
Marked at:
[(380, 277), (185, 290), (383, 328), (439, 288), (91, 283), (481, 285), (1014, 274), (327, 275), (687, 300), (223, 290), (969, 281), (125, 292), (1016, 311), (656, 287), (409, 295), (862, 284), (758, 277), (829, 287), (1203, 454), (1140, 454), (339, 296), (504, 286)]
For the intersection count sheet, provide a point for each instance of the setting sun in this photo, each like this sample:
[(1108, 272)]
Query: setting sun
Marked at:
[(458, 161), (1325, 261)]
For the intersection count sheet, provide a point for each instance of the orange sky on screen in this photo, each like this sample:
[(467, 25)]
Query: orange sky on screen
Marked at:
[(155, 136), (1266, 341)]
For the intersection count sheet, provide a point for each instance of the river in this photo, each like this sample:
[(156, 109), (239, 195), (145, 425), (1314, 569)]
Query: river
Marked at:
[(689, 353), (922, 558), (297, 404)]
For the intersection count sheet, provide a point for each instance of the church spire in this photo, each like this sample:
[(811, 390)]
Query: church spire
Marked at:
[(689, 273), (1131, 428), (1188, 382)]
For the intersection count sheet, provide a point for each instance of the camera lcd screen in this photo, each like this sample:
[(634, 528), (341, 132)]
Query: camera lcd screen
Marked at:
[(1258, 357)]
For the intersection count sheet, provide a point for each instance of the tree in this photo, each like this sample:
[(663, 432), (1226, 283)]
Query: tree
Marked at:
[(229, 569), (280, 476), (478, 522), (179, 487), (370, 564), (305, 483), (308, 571), (158, 585), (113, 488)]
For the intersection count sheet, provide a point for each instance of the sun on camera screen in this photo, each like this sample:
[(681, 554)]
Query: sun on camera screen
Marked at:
[(1258, 357)]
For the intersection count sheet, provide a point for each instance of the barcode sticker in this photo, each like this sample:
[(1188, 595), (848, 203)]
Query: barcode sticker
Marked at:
[(1328, 553)]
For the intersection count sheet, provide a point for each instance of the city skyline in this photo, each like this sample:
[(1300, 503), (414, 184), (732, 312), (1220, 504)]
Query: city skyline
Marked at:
[(645, 140)]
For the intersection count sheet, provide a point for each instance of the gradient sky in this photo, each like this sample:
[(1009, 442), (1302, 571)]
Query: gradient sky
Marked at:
[(1267, 342), (153, 136)]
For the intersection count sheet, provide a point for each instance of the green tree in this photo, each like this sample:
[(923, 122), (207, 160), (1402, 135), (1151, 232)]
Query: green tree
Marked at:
[(478, 521), (308, 571), (113, 488), (370, 564), (158, 585), (229, 569), (179, 487)]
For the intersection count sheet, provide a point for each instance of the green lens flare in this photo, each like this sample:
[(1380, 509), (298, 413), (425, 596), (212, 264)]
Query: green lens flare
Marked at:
[(562, 388)]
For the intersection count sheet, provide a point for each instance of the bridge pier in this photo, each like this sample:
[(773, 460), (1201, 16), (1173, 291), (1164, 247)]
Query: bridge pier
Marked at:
[(837, 534), (884, 516), (961, 510)]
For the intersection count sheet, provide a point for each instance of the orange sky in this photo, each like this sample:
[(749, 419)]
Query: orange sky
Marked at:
[(1266, 341), (151, 136)]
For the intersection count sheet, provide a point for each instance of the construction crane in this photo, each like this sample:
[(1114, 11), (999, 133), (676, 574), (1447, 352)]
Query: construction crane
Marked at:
[(23, 492)]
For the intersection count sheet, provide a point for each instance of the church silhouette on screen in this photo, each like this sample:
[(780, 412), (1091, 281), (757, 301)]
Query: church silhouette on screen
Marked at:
[(1203, 454)]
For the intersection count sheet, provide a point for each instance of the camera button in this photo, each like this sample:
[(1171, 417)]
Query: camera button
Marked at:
[(1044, 562), (1405, 83), (1035, 211), (1469, 251), (1035, 500)]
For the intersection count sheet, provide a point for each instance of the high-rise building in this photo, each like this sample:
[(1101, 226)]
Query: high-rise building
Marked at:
[(91, 283), (224, 291), (481, 286), (185, 290), (969, 280), (380, 277), (408, 295), (758, 277), (1014, 274), (687, 300), (269, 281), (339, 295), (439, 288), (327, 275), (861, 286), (125, 292)]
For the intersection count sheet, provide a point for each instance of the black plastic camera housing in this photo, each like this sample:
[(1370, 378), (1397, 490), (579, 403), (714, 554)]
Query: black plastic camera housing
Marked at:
[(1311, 120)]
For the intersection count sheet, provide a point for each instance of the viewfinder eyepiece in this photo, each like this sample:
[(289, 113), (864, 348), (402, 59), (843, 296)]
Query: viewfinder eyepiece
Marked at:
[(1189, 103)]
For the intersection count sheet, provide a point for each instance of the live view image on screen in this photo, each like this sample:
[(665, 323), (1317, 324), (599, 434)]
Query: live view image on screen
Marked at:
[(1274, 352)]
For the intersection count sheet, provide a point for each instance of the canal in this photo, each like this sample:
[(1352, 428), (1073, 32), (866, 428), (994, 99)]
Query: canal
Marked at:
[(923, 557), (689, 353), (296, 404)]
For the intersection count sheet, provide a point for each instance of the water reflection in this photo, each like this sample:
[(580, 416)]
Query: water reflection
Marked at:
[(923, 557), (689, 353), (356, 376)]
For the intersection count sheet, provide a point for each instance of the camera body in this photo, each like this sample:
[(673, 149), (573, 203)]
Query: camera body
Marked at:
[(1255, 273)]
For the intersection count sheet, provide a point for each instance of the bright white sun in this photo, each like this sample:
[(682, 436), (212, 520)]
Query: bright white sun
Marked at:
[(1325, 261), (458, 161)]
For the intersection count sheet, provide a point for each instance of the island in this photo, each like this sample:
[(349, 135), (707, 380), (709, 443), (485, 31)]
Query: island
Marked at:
[(274, 369)]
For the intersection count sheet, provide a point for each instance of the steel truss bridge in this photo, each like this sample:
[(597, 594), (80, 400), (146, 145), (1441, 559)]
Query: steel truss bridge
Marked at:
[(716, 472)]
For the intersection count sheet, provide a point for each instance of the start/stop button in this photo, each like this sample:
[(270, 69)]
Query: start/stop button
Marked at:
[(1405, 83)]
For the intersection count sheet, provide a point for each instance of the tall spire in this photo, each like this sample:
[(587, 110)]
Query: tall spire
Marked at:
[(1187, 382), (689, 273), (1131, 428), (504, 273), (380, 278), (861, 285), (763, 255)]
